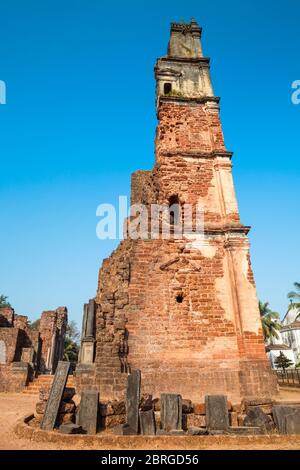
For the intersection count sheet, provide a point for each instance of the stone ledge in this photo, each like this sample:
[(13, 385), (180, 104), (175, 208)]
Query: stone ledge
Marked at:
[(188, 100), (197, 154), (110, 441), (194, 60), (290, 389)]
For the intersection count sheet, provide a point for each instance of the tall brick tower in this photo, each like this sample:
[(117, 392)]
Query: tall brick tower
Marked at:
[(185, 313)]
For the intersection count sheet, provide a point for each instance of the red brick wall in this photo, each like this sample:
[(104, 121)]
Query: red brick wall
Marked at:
[(21, 321), (186, 126), (4, 377), (6, 317), (12, 338), (190, 347), (13, 379), (53, 323), (211, 342), (18, 338)]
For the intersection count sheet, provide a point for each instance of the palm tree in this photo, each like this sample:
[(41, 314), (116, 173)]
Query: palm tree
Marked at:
[(268, 319), (294, 297)]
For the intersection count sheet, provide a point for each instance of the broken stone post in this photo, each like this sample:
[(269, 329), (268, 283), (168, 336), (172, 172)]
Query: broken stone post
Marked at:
[(147, 423), (257, 418), (88, 411), (133, 401), (55, 396), (280, 414), (88, 340), (83, 330), (216, 413), (292, 423), (171, 412), (90, 319)]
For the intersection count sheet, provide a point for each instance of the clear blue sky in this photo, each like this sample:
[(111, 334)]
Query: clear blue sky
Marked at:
[(80, 118)]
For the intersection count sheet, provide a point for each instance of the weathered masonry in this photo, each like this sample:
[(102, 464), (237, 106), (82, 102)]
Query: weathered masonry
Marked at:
[(185, 313), (25, 352)]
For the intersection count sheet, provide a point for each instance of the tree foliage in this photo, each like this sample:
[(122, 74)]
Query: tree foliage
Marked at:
[(35, 325), (72, 332), (270, 321), (282, 362), (3, 301), (71, 350), (294, 297)]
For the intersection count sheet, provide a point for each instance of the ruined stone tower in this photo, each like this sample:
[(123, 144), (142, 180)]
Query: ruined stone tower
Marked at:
[(185, 313)]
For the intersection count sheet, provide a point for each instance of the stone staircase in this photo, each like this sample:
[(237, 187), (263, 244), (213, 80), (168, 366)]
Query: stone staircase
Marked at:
[(44, 380)]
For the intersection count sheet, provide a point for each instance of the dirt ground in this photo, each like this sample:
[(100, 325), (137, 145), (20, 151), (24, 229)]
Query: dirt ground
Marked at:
[(14, 406)]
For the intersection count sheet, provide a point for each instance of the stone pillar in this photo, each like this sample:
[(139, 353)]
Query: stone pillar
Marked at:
[(88, 411), (88, 339), (216, 413), (50, 355), (245, 299), (83, 331), (90, 319), (171, 411), (133, 393), (2, 352)]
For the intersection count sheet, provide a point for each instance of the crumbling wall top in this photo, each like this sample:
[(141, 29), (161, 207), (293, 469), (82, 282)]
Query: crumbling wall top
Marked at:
[(7, 315), (185, 40)]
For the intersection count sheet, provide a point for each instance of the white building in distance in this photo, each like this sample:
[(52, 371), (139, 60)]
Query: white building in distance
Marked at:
[(290, 332), (288, 341)]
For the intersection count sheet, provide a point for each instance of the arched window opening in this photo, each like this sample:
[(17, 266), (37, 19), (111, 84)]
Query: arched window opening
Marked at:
[(174, 209), (167, 88), (179, 298)]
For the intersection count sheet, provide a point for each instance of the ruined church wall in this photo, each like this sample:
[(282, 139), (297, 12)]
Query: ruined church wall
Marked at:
[(112, 302), (12, 338), (6, 317), (188, 127), (12, 378), (191, 347), (184, 312), (143, 188), (192, 163), (52, 331)]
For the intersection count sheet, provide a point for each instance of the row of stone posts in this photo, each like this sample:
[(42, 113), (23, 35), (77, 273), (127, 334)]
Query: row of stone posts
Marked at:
[(140, 419), (143, 422)]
